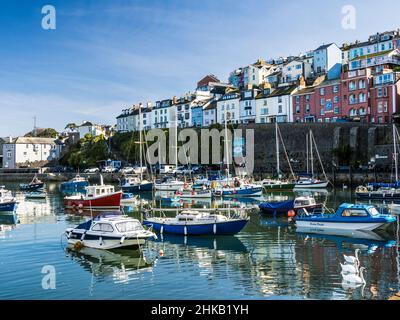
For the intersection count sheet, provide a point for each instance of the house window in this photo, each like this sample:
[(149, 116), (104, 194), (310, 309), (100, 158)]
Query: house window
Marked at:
[(380, 107), (336, 110), (307, 108), (322, 102), (307, 98), (279, 99), (9, 154), (361, 84), (385, 106), (352, 85), (322, 112), (297, 109), (279, 109), (297, 99), (336, 99), (379, 92), (335, 89), (322, 91), (265, 102), (362, 97)]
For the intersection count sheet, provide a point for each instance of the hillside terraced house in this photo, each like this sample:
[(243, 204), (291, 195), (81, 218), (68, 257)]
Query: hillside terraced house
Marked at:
[(280, 104), (229, 104)]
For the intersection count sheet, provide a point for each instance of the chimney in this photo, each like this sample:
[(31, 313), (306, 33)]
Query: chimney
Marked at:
[(302, 82), (174, 100), (10, 139)]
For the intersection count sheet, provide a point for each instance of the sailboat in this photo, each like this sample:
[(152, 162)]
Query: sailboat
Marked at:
[(307, 183), (384, 191), (133, 183), (240, 188), (278, 184)]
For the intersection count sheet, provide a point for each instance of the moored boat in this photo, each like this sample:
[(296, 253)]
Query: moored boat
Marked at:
[(169, 184), (133, 184), (244, 190), (34, 185), (193, 222), (76, 184), (97, 196), (383, 193), (347, 217), (295, 205), (7, 202), (109, 231), (277, 185), (306, 183), (192, 194)]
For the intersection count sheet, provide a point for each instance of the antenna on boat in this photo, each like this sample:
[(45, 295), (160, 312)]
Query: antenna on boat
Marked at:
[(101, 180)]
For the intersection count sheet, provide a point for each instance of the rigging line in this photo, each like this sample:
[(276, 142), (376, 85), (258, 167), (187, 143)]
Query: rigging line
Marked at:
[(286, 155), (319, 157)]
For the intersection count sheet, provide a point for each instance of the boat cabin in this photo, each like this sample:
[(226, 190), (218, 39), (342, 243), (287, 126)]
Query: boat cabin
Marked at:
[(304, 202), (95, 191), (113, 223)]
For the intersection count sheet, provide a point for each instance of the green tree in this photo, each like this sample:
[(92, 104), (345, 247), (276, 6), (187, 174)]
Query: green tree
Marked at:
[(344, 154)]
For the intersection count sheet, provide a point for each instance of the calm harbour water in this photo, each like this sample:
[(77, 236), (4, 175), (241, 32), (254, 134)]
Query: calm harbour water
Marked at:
[(267, 260)]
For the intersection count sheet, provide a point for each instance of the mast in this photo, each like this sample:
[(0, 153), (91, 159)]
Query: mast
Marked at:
[(311, 155), (277, 150), (176, 140), (308, 170), (395, 152), (140, 145), (226, 147)]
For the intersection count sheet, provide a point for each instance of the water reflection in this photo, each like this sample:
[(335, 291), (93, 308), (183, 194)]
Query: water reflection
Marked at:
[(120, 265), (8, 222)]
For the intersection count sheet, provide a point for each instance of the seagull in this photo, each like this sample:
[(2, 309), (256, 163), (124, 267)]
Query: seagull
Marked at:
[(351, 259), (354, 278)]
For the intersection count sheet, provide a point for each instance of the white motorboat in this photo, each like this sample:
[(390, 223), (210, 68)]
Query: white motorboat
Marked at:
[(109, 231), (36, 195), (310, 183), (169, 185)]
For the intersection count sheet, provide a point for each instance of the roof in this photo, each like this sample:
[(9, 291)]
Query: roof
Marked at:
[(86, 124), (33, 140), (283, 91), (324, 46), (306, 90), (329, 83), (212, 105)]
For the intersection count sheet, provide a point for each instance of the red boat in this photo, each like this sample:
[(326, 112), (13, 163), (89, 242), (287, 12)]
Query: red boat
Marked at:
[(96, 197)]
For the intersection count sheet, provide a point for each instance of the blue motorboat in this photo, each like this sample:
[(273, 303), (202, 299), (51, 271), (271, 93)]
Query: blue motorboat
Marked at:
[(192, 222), (134, 184), (347, 217), (244, 190), (7, 202), (283, 207), (76, 184)]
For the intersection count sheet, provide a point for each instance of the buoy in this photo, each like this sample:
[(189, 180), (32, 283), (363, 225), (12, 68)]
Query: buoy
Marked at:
[(291, 213), (161, 252)]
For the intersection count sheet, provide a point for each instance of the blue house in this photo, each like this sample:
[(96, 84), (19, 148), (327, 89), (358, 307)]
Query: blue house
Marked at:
[(328, 60)]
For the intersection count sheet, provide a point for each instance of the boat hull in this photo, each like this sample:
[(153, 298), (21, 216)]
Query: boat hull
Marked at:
[(8, 206), (31, 187), (218, 228), (366, 226), (74, 186), (109, 201), (311, 185), (107, 243), (245, 192), (279, 187), (378, 196), (138, 188)]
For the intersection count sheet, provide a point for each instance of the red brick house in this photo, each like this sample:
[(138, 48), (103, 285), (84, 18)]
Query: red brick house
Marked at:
[(328, 104), (304, 105), (355, 94)]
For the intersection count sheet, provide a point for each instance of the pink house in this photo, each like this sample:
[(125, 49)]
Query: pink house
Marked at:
[(328, 101)]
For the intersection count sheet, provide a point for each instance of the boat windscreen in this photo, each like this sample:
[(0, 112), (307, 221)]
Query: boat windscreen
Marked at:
[(373, 211), (85, 226), (128, 226)]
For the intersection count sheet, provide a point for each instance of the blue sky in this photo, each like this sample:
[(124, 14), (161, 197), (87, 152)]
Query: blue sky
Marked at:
[(106, 55)]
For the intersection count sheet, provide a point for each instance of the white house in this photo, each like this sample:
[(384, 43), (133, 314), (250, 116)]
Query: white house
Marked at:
[(210, 114), (88, 127), (294, 70), (30, 152), (278, 106), (229, 103), (125, 121), (185, 104), (161, 114), (256, 73), (262, 107), (248, 105)]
